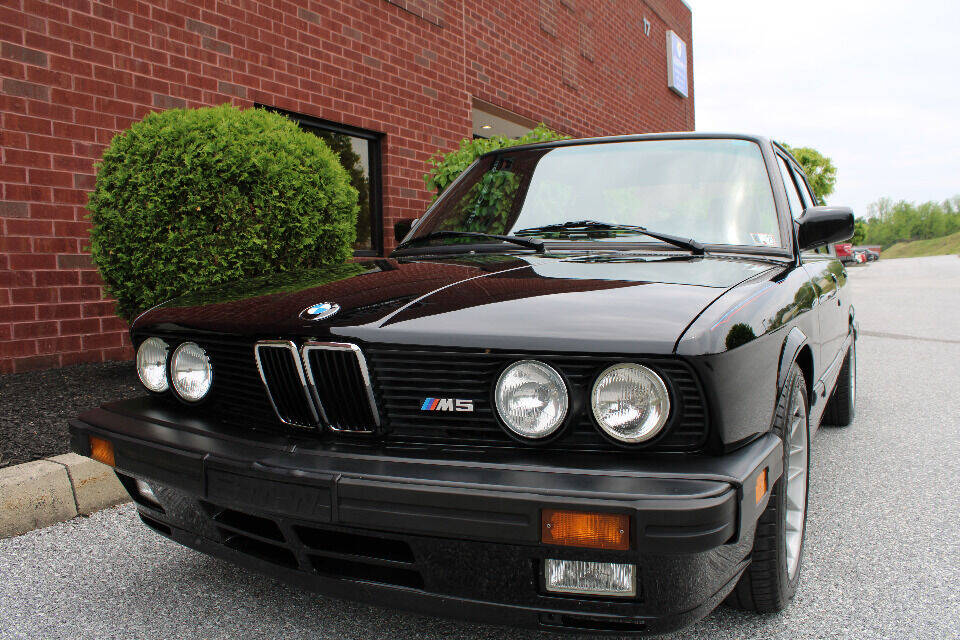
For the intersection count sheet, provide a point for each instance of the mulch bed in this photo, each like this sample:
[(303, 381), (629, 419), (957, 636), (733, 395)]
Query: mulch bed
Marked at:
[(35, 406)]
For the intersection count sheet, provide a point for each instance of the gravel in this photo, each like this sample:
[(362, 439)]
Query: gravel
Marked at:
[(881, 556), (35, 406)]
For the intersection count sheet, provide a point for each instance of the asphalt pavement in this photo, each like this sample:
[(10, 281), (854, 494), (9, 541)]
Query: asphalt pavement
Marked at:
[(883, 535)]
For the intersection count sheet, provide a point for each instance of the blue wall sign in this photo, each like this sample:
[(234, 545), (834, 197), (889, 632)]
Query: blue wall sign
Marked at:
[(676, 64)]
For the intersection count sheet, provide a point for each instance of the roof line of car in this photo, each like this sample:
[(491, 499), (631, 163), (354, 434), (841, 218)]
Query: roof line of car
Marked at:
[(677, 135)]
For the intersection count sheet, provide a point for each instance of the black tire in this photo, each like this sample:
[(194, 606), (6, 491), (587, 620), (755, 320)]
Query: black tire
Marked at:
[(766, 586), (842, 404)]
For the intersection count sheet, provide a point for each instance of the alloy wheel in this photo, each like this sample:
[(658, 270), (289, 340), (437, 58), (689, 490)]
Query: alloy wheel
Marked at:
[(796, 476)]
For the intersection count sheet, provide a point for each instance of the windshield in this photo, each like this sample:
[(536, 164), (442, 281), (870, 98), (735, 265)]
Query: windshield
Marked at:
[(714, 191)]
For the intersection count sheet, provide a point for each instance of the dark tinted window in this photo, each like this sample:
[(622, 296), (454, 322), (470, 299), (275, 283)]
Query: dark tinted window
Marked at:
[(359, 153), (354, 155)]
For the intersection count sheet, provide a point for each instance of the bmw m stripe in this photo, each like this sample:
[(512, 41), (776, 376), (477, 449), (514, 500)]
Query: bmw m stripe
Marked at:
[(429, 404)]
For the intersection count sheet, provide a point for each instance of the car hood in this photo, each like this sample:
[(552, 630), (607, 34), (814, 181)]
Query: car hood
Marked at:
[(614, 303)]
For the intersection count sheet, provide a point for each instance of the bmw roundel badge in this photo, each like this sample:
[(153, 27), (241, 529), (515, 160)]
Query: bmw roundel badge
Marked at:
[(319, 311)]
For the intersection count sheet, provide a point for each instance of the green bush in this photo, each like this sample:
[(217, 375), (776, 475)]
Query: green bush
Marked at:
[(191, 198), (447, 166)]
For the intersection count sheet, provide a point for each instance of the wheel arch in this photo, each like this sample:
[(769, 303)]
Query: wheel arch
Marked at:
[(796, 349)]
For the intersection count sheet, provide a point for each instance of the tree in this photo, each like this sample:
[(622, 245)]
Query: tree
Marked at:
[(859, 231), (820, 170), (880, 209), (889, 222)]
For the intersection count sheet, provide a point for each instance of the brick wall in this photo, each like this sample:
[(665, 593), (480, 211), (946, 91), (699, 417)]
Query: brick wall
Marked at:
[(74, 72)]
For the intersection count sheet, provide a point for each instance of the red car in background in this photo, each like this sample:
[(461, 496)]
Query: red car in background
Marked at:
[(845, 252)]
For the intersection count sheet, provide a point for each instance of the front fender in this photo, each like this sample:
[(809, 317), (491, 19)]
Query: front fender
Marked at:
[(788, 353)]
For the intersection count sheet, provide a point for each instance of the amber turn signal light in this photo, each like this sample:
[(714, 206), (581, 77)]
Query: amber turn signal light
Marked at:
[(582, 529), (102, 451), (761, 485)]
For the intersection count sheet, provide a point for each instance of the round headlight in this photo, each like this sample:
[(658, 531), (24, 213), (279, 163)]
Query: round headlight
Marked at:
[(190, 372), (630, 402), (152, 364), (531, 398)]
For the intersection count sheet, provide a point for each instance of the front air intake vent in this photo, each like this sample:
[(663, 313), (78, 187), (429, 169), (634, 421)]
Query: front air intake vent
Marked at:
[(279, 364), (340, 383)]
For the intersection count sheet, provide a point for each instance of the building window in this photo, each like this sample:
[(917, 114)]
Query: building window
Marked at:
[(490, 120), (359, 152)]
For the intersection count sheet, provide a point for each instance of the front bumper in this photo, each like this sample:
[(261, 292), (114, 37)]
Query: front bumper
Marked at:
[(453, 532)]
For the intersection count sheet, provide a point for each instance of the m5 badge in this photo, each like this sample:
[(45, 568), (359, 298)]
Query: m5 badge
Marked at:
[(446, 404)]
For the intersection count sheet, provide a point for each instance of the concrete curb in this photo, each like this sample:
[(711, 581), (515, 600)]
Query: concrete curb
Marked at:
[(44, 492)]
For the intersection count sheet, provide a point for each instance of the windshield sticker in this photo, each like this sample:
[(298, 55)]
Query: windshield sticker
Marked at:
[(764, 239)]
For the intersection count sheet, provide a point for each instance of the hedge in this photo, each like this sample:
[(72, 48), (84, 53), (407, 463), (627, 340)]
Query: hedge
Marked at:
[(190, 198), (445, 167)]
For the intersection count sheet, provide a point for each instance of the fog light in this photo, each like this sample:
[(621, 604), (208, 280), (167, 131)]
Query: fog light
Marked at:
[(146, 491), (102, 451), (590, 578)]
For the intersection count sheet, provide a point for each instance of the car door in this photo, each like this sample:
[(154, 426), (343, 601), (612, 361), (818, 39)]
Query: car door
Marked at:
[(835, 311), (829, 277), (826, 272), (810, 263)]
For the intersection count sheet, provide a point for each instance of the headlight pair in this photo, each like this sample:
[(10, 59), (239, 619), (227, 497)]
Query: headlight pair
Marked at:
[(629, 401), (191, 374)]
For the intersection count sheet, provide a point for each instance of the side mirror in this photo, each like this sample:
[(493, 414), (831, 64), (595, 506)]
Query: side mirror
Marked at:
[(824, 225), (402, 227)]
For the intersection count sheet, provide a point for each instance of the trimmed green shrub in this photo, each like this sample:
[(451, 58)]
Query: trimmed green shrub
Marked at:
[(447, 166), (191, 198)]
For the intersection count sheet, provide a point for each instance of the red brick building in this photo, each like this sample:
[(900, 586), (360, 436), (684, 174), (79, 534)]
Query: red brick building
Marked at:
[(393, 81)]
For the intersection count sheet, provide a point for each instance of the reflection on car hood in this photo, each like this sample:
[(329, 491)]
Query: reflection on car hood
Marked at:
[(599, 303)]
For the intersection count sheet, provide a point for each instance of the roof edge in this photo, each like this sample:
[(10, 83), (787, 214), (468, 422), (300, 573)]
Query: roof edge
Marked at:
[(636, 137)]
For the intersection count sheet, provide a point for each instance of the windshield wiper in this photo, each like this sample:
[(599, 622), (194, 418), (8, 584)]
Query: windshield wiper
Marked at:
[(586, 226), (537, 245)]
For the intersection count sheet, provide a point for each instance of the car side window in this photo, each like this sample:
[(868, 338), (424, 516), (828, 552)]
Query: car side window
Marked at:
[(793, 197), (805, 189), (810, 200), (801, 185)]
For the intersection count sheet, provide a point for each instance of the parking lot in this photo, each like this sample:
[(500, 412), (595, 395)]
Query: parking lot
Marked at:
[(882, 546)]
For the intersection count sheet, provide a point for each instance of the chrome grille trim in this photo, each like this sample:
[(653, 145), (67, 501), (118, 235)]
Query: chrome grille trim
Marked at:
[(364, 374), (298, 366)]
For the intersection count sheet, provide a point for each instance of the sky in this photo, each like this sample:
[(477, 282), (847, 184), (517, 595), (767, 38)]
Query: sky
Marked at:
[(874, 85)]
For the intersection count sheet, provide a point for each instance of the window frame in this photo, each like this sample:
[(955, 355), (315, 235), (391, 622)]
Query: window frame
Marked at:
[(790, 180), (800, 175), (375, 151), (797, 176), (805, 197)]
